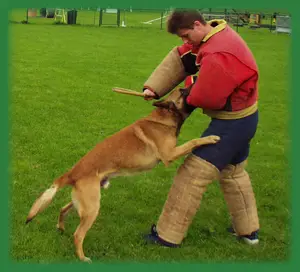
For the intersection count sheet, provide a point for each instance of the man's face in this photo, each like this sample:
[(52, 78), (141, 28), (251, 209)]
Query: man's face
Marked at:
[(192, 35)]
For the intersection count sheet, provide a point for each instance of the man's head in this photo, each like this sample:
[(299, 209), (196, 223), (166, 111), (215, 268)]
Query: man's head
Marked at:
[(189, 25)]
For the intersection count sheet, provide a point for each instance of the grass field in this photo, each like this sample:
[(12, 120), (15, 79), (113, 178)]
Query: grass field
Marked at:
[(62, 105)]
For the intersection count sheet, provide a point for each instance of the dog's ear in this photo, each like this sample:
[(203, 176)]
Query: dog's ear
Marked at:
[(164, 104)]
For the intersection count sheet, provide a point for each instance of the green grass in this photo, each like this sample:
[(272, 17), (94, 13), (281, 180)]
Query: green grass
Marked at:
[(62, 105)]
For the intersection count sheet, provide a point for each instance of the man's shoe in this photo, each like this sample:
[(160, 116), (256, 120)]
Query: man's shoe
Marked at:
[(153, 238), (251, 239)]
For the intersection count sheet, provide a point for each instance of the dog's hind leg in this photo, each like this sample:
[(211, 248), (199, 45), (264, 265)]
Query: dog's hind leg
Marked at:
[(86, 199), (63, 213)]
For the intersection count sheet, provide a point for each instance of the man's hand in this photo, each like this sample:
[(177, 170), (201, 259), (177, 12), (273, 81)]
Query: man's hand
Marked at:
[(149, 95)]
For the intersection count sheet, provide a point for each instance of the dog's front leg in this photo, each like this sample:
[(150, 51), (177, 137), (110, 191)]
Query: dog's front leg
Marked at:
[(188, 147)]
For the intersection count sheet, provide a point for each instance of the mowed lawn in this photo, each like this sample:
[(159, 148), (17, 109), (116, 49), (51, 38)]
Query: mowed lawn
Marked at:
[(61, 105)]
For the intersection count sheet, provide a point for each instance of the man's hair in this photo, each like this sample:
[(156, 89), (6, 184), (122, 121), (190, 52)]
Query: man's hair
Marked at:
[(183, 18)]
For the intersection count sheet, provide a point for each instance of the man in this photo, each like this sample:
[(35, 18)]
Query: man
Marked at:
[(226, 88)]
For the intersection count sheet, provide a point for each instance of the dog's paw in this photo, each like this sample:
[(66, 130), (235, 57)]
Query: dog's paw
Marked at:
[(213, 139), (87, 260), (60, 228)]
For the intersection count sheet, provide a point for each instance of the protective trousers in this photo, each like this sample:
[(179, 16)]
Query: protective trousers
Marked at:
[(187, 190), (239, 196), (184, 198)]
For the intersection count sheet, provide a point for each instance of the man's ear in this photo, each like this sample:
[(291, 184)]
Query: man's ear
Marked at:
[(164, 104), (196, 23)]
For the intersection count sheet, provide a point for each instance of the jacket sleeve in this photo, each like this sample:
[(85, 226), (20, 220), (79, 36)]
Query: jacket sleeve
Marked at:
[(214, 84), (168, 74)]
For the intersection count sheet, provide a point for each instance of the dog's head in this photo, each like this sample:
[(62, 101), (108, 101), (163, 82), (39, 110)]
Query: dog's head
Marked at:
[(176, 102)]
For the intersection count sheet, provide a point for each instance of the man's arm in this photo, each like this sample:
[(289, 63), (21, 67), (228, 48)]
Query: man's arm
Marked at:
[(168, 74)]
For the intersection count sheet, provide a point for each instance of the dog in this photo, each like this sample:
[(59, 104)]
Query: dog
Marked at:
[(136, 148)]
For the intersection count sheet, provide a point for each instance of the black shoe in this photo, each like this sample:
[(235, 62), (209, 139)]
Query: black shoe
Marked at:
[(153, 238), (251, 239)]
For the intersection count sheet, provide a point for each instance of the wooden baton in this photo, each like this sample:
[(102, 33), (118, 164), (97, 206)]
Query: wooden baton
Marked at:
[(127, 91)]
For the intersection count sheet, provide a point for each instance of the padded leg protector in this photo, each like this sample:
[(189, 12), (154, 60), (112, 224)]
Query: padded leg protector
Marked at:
[(184, 198), (238, 193)]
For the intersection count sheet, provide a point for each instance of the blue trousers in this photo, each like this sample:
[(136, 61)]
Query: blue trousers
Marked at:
[(234, 146)]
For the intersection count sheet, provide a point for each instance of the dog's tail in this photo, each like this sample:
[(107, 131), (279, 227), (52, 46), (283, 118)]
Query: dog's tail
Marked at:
[(43, 201)]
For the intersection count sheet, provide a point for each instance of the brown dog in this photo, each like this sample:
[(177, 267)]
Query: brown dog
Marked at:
[(135, 148)]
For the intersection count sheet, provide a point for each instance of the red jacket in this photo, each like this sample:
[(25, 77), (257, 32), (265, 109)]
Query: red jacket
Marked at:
[(228, 73)]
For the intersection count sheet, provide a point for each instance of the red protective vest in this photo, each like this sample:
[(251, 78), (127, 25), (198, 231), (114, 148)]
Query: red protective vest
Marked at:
[(228, 74)]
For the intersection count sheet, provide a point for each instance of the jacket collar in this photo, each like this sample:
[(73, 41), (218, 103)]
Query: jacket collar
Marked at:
[(218, 25)]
